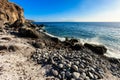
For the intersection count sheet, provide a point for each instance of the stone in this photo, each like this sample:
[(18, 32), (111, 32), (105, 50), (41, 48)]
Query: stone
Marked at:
[(72, 41), (99, 49), (56, 40), (115, 61), (38, 44), (76, 75), (13, 48), (28, 32), (3, 47), (61, 66), (68, 74), (74, 67), (87, 78), (68, 65), (77, 47), (54, 72), (90, 75)]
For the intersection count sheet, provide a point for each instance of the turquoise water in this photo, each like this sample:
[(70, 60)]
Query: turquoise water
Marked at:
[(105, 33)]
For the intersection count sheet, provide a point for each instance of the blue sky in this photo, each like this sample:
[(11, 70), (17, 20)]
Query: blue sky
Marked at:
[(71, 10)]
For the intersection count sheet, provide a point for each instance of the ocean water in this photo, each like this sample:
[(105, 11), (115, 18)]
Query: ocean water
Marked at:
[(105, 33)]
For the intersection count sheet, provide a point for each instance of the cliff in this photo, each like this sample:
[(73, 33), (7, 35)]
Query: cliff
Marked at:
[(10, 12)]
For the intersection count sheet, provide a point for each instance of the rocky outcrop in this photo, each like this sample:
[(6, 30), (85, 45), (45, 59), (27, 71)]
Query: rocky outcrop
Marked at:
[(10, 12), (99, 49)]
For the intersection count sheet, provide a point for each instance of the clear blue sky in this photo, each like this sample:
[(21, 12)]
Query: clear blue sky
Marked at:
[(71, 10)]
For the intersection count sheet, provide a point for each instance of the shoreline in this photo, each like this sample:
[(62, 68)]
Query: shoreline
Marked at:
[(109, 53), (51, 53)]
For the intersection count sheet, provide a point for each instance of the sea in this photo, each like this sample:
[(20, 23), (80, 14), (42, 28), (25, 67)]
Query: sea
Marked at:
[(102, 33)]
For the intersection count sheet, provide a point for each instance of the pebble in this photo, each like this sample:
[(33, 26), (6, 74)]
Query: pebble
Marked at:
[(54, 72), (61, 66), (68, 74), (90, 75), (74, 67), (76, 75)]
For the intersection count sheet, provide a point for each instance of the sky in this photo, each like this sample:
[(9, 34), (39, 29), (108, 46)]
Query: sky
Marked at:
[(71, 10)]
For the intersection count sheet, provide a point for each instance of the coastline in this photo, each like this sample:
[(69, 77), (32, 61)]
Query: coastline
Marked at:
[(45, 49)]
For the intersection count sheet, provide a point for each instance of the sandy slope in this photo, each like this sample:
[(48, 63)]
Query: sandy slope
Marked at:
[(16, 65)]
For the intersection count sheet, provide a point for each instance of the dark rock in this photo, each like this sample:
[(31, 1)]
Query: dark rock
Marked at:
[(3, 47), (28, 32), (99, 49), (6, 38), (13, 48), (77, 47), (115, 61), (56, 40), (38, 44), (72, 41), (17, 24)]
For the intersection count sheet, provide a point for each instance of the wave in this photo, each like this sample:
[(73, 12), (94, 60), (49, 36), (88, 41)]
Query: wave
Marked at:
[(111, 52)]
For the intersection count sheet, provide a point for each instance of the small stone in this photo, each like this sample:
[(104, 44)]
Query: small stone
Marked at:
[(76, 75), (61, 66), (54, 72), (77, 62), (73, 79), (68, 74), (68, 65), (74, 67), (87, 78), (83, 75), (62, 74), (90, 75)]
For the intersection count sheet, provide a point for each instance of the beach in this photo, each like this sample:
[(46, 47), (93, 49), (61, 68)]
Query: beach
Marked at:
[(29, 51)]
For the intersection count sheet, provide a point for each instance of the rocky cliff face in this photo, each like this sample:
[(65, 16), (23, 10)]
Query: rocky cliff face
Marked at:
[(10, 12)]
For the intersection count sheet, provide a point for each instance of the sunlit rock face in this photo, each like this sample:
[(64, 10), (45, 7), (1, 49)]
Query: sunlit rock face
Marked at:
[(10, 12)]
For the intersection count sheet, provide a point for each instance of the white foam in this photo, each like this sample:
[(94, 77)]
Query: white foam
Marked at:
[(60, 38), (110, 52)]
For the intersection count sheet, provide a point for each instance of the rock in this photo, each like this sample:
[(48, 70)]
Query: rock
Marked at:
[(72, 41), (74, 67), (68, 74), (68, 65), (6, 38), (115, 61), (61, 66), (76, 75), (54, 72), (90, 75), (18, 23), (62, 74), (77, 47), (99, 49), (28, 32), (13, 48), (56, 40), (10, 12), (38, 44), (87, 78), (3, 47)]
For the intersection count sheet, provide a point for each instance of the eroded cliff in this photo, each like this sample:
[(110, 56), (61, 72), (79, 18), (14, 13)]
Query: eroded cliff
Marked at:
[(10, 12)]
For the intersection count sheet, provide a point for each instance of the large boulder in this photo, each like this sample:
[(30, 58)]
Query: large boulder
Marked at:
[(28, 32), (10, 12), (99, 49)]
